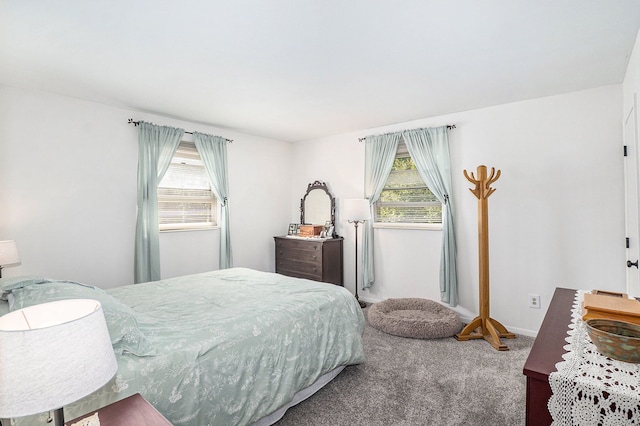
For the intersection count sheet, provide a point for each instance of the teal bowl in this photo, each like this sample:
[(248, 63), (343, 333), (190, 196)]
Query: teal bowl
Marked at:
[(616, 339)]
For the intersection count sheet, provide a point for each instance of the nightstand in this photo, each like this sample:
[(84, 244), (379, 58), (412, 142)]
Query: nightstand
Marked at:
[(131, 411)]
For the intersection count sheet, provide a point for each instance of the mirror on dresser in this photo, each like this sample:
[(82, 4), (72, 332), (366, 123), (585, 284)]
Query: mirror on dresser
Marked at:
[(318, 207), (317, 257)]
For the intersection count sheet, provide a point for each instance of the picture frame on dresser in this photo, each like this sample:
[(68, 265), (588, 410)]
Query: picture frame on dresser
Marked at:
[(327, 230)]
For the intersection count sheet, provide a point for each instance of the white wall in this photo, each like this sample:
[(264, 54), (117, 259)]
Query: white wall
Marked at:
[(556, 218), (631, 83), (68, 192)]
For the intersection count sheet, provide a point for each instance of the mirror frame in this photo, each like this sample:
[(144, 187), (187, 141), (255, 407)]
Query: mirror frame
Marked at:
[(323, 186)]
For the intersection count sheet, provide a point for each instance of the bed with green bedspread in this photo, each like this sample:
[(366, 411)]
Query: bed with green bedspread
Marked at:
[(225, 347)]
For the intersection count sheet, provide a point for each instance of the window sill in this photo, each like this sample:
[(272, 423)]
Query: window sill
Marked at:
[(213, 228), (418, 226)]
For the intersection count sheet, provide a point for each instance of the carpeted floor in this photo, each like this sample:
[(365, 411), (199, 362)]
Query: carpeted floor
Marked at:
[(422, 382)]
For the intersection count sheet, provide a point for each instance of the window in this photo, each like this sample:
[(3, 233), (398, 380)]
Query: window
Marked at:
[(185, 199), (405, 197)]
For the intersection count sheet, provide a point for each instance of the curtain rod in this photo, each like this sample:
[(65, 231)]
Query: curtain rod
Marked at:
[(136, 123), (449, 127)]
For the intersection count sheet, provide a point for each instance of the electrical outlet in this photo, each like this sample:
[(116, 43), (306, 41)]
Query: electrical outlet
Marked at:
[(534, 301)]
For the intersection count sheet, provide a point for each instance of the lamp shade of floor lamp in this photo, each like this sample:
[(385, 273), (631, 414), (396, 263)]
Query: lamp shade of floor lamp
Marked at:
[(51, 355), (8, 254), (356, 211)]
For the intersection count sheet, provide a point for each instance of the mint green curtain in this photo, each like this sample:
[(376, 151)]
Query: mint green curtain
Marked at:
[(213, 151), (156, 146), (429, 149), (380, 153)]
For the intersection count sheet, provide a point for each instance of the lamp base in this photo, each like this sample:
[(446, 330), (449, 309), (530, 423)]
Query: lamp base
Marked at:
[(58, 417), (362, 304)]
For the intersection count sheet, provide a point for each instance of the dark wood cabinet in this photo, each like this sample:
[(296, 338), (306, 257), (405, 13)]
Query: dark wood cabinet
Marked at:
[(546, 352), (313, 259)]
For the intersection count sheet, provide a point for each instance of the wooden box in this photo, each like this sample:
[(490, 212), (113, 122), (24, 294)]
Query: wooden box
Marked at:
[(616, 307), (309, 230)]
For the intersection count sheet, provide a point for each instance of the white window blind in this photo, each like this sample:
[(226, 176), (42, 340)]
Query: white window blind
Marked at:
[(405, 197), (185, 199)]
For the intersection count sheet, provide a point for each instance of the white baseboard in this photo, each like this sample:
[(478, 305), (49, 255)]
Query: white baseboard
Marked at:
[(466, 316)]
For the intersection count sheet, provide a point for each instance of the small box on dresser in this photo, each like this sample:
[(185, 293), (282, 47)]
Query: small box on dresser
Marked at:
[(315, 259), (309, 230)]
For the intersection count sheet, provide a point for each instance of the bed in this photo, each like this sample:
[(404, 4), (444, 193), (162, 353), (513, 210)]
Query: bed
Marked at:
[(229, 347)]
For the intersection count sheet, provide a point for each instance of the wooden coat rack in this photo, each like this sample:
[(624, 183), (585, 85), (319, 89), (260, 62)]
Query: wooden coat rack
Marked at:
[(483, 326)]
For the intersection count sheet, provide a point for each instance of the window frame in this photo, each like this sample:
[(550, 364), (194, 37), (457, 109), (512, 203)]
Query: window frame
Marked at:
[(403, 152), (187, 150)]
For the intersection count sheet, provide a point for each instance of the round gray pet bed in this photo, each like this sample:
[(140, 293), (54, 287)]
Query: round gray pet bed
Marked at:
[(413, 317)]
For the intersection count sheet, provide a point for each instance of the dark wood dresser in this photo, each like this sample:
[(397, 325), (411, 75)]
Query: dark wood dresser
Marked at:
[(546, 352), (313, 259)]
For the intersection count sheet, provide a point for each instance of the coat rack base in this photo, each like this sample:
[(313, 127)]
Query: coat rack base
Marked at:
[(488, 329)]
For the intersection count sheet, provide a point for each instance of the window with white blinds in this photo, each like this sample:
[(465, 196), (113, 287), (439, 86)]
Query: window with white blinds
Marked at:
[(185, 199), (406, 197)]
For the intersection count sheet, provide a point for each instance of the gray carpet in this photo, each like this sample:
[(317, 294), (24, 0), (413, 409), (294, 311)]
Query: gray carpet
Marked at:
[(408, 381)]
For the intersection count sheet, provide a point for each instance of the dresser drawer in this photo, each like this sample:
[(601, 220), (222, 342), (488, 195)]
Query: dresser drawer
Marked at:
[(306, 255), (299, 245), (311, 270)]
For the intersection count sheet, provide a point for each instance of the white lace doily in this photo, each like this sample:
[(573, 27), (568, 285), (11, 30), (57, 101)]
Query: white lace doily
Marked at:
[(93, 420), (589, 388)]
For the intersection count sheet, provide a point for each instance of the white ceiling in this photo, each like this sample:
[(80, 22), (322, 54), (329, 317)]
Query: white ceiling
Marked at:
[(300, 69)]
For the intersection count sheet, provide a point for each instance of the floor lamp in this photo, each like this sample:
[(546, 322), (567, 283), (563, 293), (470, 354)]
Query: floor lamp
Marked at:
[(356, 211)]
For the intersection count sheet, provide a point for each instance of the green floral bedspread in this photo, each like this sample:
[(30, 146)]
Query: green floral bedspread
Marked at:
[(225, 347)]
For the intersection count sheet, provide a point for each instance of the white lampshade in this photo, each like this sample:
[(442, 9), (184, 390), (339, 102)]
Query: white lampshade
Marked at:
[(356, 209), (53, 354), (9, 253)]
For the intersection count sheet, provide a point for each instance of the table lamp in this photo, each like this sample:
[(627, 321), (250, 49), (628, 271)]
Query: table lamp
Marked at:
[(356, 211), (8, 254), (51, 355)]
